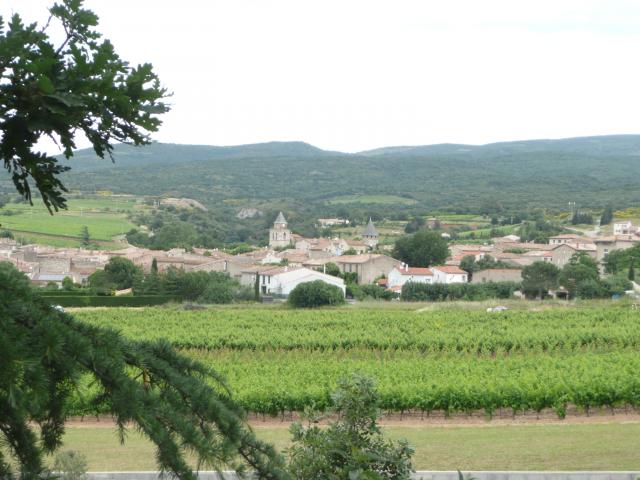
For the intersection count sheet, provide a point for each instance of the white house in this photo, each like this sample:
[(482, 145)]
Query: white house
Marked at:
[(449, 274), (623, 228), (330, 222), (402, 274), (282, 280)]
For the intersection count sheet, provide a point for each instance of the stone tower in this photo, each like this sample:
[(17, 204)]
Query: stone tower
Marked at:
[(370, 235), (280, 235)]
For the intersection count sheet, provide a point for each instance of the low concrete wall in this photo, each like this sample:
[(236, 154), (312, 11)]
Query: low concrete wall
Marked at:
[(423, 475)]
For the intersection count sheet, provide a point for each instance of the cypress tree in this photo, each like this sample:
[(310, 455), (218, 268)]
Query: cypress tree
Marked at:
[(256, 287), (607, 216)]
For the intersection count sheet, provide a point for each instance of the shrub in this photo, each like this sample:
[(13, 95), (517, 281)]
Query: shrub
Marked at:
[(373, 291), (70, 465), (217, 292), (591, 288), (244, 293), (352, 447), (315, 294), (616, 285)]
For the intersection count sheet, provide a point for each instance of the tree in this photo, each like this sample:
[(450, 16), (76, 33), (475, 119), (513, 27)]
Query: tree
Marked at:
[(620, 260), (154, 266), (67, 284), (607, 216), (632, 272), (352, 447), (256, 287), (539, 277), (176, 402), (581, 218), (101, 283), (55, 91), (122, 272), (581, 268), (422, 249), (468, 264), (85, 238), (414, 225), (332, 269)]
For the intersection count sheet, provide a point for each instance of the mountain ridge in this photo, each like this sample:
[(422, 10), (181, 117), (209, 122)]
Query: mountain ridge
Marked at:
[(547, 173)]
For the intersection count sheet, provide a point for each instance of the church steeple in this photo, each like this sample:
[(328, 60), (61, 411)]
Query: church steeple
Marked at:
[(280, 221), (280, 235), (370, 235)]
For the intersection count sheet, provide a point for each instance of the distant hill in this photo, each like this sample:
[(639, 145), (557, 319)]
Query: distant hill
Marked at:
[(592, 171)]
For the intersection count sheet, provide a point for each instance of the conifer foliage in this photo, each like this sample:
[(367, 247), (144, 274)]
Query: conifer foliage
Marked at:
[(179, 404)]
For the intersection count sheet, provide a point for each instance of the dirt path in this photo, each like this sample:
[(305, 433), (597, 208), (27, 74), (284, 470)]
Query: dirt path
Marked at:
[(436, 419)]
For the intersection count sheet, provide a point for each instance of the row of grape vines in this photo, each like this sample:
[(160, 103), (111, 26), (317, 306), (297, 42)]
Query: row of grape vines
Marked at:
[(272, 382), (278, 360), (440, 331), (278, 381)]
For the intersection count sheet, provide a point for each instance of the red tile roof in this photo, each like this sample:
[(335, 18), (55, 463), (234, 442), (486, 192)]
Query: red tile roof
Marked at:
[(450, 269), (414, 271)]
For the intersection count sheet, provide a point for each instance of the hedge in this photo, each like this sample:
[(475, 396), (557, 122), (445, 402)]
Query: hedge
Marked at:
[(420, 292), (103, 301), (64, 293)]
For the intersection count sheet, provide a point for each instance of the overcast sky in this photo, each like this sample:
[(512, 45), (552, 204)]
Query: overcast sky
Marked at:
[(354, 75)]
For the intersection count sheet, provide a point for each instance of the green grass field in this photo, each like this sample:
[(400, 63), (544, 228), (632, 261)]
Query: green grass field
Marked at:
[(104, 217), (505, 447), (486, 232)]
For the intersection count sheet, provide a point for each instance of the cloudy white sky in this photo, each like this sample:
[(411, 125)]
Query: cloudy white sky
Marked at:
[(351, 75)]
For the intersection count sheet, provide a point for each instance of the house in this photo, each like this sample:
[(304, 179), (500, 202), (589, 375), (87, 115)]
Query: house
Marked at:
[(497, 275), (358, 245), (280, 235), (526, 246), (605, 245), (623, 228), (370, 235), (449, 274), (561, 254), (367, 266), (322, 247), (402, 274), (531, 257), (509, 239), (281, 281), (317, 263), (564, 238), (457, 259)]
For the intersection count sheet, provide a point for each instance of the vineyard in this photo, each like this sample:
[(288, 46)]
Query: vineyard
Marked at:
[(446, 361)]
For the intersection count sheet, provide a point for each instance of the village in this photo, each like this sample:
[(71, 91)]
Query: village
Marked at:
[(290, 259)]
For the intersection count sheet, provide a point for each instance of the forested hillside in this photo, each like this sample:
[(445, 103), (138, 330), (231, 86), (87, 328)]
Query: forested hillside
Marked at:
[(396, 182), (591, 171)]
